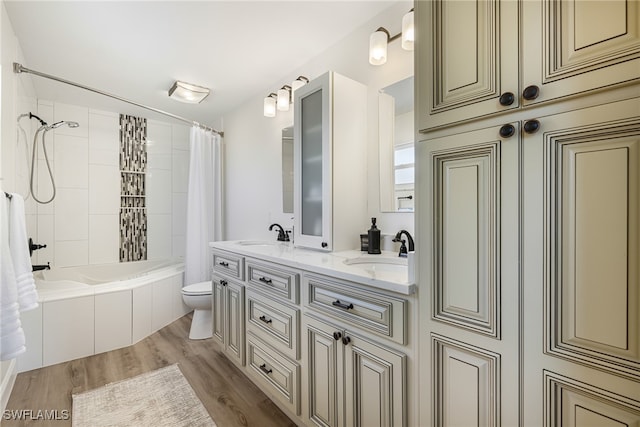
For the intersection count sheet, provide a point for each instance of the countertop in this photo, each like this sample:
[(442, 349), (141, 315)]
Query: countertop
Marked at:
[(327, 263)]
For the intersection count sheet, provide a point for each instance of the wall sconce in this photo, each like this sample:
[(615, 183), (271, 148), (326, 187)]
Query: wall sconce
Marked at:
[(283, 99), (379, 40), (269, 105)]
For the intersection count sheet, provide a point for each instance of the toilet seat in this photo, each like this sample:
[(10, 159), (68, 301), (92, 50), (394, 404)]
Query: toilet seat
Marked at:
[(195, 289)]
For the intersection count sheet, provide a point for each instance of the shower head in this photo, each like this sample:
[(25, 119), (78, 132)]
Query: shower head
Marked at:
[(61, 123)]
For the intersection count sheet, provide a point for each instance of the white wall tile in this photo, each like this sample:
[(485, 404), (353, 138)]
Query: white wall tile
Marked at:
[(159, 236), (158, 191), (68, 329), (71, 113), (180, 137), (104, 189), (180, 171), (71, 215), (72, 162), (104, 239), (179, 213), (43, 189), (178, 245), (45, 112), (45, 236), (158, 145), (104, 138), (72, 253), (112, 321)]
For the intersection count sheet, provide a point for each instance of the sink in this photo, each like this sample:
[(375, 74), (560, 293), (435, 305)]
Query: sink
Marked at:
[(377, 264), (256, 243)]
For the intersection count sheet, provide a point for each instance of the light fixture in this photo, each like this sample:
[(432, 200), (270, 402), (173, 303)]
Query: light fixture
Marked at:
[(298, 83), (380, 38), (187, 92), (408, 32), (378, 46), (269, 106), (284, 98)]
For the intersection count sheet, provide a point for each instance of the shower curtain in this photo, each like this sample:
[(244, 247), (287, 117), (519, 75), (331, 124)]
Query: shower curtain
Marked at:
[(204, 204)]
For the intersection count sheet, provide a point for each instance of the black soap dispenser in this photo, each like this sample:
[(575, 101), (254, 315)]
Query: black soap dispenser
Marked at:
[(374, 238)]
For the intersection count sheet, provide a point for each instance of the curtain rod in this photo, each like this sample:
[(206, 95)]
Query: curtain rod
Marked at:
[(18, 68)]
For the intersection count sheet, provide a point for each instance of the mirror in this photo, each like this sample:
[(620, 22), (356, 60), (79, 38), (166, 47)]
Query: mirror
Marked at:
[(287, 169), (396, 141)]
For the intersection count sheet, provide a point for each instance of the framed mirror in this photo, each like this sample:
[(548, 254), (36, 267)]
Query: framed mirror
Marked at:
[(287, 169), (396, 147)]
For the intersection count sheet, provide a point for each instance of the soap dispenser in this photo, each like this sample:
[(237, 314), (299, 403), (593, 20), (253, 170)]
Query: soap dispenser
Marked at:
[(374, 238)]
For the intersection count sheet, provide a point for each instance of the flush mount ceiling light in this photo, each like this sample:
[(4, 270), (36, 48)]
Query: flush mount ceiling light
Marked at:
[(187, 92), (380, 38)]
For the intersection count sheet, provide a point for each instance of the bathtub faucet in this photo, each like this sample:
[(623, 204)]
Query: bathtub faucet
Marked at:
[(34, 246), (41, 267)]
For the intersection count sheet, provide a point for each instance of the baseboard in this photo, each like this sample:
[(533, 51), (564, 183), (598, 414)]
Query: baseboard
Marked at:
[(6, 384)]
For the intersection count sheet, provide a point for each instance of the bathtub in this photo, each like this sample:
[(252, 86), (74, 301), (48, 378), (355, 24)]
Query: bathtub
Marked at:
[(88, 310)]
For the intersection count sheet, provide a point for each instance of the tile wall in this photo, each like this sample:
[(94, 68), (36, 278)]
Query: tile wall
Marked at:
[(81, 226)]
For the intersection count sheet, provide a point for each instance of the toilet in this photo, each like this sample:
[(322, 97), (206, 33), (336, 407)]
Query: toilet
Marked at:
[(198, 297)]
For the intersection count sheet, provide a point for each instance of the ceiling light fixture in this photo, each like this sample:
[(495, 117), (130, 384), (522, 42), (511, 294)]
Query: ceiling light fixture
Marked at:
[(187, 92), (380, 38), (269, 105)]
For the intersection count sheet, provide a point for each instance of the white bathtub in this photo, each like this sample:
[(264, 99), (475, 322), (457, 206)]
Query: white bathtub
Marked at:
[(91, 309)]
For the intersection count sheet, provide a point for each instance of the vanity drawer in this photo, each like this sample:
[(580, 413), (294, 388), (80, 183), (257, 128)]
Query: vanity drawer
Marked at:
[(278, 376), (274, 322), (383, 314), (228, 264), (274, 279)]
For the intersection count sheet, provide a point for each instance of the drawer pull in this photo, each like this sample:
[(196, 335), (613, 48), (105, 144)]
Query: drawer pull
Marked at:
[(265, 320), (265, 280), (224, 264), (264, 369), (337, 303)]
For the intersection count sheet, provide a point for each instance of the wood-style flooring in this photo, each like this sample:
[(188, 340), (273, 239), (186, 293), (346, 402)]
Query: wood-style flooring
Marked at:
[(228, 395)]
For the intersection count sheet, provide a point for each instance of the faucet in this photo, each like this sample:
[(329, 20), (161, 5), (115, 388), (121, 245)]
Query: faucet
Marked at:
[(403, 248), (41, 267), (282, 235), (34, 246)]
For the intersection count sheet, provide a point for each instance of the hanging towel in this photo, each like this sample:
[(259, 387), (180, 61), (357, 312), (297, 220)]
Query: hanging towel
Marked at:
[(19, 247), (12, 341)]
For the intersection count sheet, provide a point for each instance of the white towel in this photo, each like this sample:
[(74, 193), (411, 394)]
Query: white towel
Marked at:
[(12, 341), (19, 247)]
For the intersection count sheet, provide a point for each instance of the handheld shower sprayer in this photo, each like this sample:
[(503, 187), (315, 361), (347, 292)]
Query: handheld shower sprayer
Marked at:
[(60, 123)]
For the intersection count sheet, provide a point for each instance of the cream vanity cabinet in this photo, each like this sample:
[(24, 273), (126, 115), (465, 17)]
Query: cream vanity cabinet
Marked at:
[(353, 379), (470, 54), (330, 114), (228, 304)]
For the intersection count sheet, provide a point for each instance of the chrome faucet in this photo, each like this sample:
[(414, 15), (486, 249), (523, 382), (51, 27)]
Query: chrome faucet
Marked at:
[(403, 248), (283, 236)]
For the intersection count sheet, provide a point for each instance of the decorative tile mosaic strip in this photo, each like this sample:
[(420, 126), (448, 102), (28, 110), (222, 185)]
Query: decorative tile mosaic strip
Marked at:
[(133, 166), (133, 234)]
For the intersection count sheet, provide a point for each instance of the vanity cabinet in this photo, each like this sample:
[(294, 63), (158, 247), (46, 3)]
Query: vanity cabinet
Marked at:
[(330, 115), (353, 381), (469, 56), (228, 316)]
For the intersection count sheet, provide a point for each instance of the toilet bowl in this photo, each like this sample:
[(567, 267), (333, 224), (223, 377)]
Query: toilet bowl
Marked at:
[(198, 297)]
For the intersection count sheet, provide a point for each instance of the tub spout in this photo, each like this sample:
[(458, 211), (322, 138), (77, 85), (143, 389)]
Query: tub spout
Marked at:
[(41, 267)]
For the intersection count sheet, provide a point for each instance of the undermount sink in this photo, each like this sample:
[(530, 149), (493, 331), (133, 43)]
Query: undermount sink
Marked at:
[(377, 264)]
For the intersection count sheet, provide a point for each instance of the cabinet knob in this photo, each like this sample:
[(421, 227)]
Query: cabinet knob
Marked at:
[(346, 340), (531, 92), (223, 282), (325, 244), (531, 126), (507, 130), (337, 335), (507, 98)]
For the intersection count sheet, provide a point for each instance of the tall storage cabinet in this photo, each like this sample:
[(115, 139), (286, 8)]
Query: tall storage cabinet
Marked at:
[(528, 219), (330, 160)]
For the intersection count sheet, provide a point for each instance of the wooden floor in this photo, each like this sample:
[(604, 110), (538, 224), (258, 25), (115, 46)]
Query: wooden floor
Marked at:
[(230, 398)]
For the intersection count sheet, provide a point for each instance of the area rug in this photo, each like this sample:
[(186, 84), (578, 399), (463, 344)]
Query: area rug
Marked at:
[(158, 398)]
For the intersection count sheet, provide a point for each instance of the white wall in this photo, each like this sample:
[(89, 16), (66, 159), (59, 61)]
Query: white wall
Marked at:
[(253, 142)]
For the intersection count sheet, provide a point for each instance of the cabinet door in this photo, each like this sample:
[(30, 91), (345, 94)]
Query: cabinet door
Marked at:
[(234, 329), (467, 58), (469, 318), (218, 296), (325, 367), (581, 269), (375, 384), (572, 46), (312, 164)]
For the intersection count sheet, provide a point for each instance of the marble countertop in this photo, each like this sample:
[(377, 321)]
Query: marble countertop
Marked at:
[(334, 264)]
